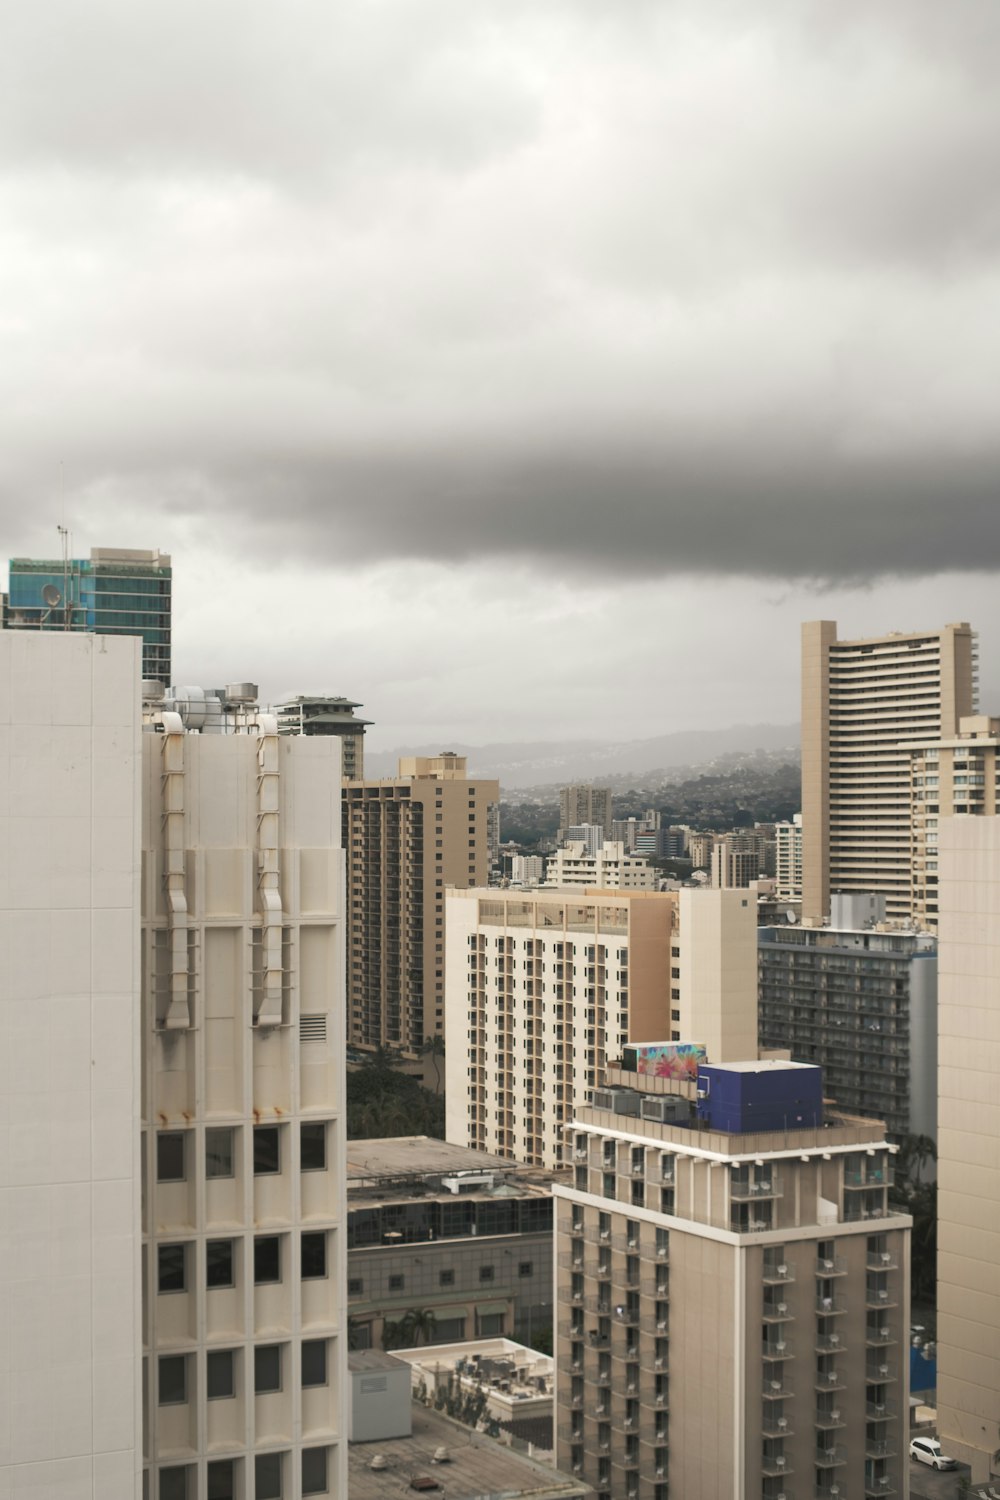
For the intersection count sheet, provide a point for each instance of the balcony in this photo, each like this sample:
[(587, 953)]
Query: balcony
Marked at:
[(883, 1260), (878, 1371), (777, 1312), (830, 1307), (877, 1485), (776, 1390), (880, 1296), (835, 1266), (831, 1456), (829, 1343), (741, 1191), (775, 1427), (776, 1349), (829, 1380), (829, 1419), (881, 1411), (880, 1337), (778, 1274), (774, 1465), (567, 1433), (881, 1447)]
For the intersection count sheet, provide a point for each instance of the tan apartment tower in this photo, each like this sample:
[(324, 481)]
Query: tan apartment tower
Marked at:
[(968, 1165), (545, 988), (243, 1218), (407, 839), (585, 804), (862, 701), (957, 775), (732, 1303)]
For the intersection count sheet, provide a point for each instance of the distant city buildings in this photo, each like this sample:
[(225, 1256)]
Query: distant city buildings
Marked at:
[(733, 1311), (406, 839), (863, 703), (116, 591), (585, 804), (527, 869), (862, 1003)]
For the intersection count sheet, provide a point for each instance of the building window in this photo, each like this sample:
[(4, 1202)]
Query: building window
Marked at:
[(219, 1152), (266, 1150), (266, 1259), (219, 1263), (173, 1380), (313, 1362), (170, 1165), (171, 1268), (486, 1273), (446, 1278), (312, 1147), (355, 1286), (313, 1256), (397, 1283), (174, 1483), (525, 1268), (222, 1479), (267, 1476), (220, 1374), (314, 1481), (267, 1368)]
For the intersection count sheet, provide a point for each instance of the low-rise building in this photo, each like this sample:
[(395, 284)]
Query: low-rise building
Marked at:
[(608, 868), (445, 1244)]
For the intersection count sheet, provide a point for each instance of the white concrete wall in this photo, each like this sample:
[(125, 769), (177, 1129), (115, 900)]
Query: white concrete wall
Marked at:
[(69, 1074), (718, 972)]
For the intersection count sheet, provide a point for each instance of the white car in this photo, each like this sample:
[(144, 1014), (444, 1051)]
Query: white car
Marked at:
[(928, 1451)]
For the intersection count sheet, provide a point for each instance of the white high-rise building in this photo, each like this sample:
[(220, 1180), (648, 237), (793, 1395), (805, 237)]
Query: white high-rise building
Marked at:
[(70, 1344), (788, 859), (545, 988), (607, 869), (243, 1144), (172, 1257)]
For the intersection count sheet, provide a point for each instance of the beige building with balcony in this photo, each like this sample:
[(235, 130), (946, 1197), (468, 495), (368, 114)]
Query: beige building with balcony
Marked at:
[(546, 987), (242, 1098), (863, 702), (968, 1164), (732, 1309), (956, 775), (406, 839)]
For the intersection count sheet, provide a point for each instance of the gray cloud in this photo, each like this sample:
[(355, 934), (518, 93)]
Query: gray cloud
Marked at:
[(643, 289)]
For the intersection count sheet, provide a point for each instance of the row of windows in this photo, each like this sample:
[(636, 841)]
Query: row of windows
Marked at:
[(172, 1150), (174, 1262), (397, 1281), (271, 1472), (269, 1368)]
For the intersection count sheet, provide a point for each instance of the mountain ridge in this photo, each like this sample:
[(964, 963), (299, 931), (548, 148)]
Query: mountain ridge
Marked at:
[(524, 763)]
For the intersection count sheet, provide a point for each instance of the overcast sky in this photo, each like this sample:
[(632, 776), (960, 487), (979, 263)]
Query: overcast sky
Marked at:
[(527, 368)]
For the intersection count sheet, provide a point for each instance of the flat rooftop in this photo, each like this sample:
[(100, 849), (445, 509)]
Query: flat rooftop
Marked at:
[(479, 1466), (390, 1166)]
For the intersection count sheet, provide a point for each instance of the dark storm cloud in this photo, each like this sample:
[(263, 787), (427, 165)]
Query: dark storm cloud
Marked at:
[(645, 288)]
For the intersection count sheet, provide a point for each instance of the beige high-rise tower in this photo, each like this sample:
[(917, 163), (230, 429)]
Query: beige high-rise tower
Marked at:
[(968, 1167), (407, 838), (862, 701)]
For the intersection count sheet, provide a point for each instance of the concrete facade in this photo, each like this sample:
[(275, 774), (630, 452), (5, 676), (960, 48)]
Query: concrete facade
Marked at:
[(713, 972), (968, 1167), (243, 1080), (407, 838), (733, 1312), (70, 1363), (863, 701), (788, 860)]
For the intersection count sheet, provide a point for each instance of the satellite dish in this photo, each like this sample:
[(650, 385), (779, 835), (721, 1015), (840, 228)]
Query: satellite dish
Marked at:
[(51, 595)]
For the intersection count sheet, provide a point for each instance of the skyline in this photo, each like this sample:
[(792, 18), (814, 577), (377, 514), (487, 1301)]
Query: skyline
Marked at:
[(452, 362)]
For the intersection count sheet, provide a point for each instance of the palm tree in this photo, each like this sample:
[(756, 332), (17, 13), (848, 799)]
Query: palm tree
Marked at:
[(433, 1048), (418, 1325)]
